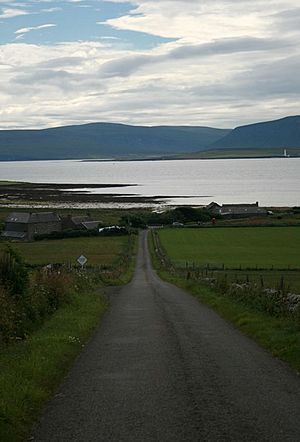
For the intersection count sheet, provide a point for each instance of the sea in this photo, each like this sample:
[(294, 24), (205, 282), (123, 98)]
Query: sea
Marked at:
[(270, 181)]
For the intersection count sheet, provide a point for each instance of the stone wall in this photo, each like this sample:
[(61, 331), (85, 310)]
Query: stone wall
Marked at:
[(43, 228)]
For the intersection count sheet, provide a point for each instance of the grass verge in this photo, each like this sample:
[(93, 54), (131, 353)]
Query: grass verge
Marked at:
[(122, 270), (278, 335), (31, 370)]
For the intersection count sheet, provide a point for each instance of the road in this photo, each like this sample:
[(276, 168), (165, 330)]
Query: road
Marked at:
[(163, 367)]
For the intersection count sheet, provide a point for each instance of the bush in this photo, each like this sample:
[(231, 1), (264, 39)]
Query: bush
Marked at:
[(50, 289), (24, 301), (13, 272), (184, 214), (67, 234), (7, 316)]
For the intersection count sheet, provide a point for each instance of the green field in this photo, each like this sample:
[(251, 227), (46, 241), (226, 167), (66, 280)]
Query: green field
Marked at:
[(98, 250), (263, 247)]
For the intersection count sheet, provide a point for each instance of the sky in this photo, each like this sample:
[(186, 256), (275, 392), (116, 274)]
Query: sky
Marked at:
[(219, 63)]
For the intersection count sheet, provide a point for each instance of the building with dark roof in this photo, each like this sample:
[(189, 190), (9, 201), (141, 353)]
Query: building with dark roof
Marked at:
[(25, 225), (237, 210), (83, 222)]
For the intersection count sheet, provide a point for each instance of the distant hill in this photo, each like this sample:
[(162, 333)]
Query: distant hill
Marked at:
[(283, 133), (104, 140)]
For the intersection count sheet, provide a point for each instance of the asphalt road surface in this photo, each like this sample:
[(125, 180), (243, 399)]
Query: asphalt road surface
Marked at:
[(163, 367)]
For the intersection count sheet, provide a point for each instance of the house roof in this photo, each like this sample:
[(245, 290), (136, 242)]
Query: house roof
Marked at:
[(91, 225), (242, 209), (212, 205), (237, 209), (80, 219), (32, 218), (243, 205)]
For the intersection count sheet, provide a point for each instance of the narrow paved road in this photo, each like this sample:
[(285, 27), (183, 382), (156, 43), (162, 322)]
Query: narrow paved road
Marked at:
[(162, 367)]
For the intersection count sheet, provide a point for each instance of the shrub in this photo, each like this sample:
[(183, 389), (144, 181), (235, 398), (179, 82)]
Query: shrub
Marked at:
[(7, 316), (50, 289), (13, 272), (24, 301)]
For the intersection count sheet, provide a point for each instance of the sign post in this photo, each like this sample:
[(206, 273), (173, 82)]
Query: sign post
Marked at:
[(82, 260)]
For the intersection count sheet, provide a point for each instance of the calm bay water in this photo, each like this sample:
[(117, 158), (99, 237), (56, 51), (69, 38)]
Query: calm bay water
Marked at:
[(272, 182)]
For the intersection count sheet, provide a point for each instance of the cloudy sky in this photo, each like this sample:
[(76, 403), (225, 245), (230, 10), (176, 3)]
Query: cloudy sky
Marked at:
[(220, 63)]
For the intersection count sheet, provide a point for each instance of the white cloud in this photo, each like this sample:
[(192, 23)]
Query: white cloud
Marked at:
[(54, 9), (12, 12), (34, 28), (201, 21), (231, 62)]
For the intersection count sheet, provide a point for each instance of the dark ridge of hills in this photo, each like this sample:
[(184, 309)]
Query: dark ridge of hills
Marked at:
[(283, 133), (104, 140)]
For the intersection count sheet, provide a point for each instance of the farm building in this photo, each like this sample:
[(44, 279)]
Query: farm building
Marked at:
[(79, 223), (25, 225), (237, 210)]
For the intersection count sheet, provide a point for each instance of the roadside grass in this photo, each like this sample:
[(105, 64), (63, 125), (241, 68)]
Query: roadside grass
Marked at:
[(129, 267), (280, 336), (122, 270), (263, 247), (32, 369), (98, 250)]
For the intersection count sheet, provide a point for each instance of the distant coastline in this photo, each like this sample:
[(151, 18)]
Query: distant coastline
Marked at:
[(218, 154)]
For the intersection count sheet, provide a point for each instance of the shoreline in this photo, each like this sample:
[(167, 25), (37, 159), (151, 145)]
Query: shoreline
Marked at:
[(18, 195), (184, 157)]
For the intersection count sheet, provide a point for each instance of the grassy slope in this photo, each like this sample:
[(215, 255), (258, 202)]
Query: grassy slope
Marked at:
[(280, 336), (31, 370), (262, 246)]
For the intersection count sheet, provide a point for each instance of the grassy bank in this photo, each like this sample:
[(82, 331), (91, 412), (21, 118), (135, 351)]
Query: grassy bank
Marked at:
[(31, 370), (280, 335)]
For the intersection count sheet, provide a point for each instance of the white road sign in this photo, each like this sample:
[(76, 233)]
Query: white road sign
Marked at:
[(82, 260)]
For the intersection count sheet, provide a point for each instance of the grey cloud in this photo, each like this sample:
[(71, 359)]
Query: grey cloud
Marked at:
[(61, 62), (263, 82), (128, 65), (60, 78), (287, 21), (39, 78), (273, 79)]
